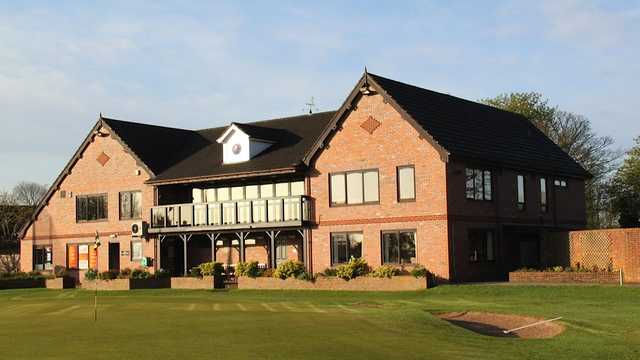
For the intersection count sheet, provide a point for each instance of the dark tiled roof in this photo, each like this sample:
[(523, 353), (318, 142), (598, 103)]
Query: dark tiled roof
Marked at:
[(471, 130), (154, 145), (201, 155)]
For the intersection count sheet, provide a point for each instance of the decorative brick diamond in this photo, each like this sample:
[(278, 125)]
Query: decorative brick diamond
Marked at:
[(103, 158), (370, 125)]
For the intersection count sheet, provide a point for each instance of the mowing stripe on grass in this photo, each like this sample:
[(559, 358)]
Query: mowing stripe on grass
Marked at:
[(289, 307), (241, 307), (216, 307), (410, 302), (191, 307), (65, 310), (268, 307), (316, 309), (348, 309)]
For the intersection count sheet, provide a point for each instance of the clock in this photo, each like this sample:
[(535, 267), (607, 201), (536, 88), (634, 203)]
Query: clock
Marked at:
[(236, 148)]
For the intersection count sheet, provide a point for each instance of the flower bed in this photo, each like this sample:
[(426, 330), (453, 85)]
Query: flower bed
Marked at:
[(127, 284), (364, 283), (566, 277)]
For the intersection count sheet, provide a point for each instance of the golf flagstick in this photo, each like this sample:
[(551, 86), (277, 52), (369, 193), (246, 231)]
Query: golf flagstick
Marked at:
[(530, 325)]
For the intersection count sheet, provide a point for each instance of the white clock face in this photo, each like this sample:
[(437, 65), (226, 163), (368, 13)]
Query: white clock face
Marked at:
[(236, 149)]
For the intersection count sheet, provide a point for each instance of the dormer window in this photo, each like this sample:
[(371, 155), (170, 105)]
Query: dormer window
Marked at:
[(241, 143)]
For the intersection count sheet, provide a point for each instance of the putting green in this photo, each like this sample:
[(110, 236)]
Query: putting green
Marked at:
[(601, 322)]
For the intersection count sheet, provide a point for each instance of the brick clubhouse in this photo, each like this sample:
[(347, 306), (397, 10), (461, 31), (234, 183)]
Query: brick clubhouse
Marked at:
[(397, 175)]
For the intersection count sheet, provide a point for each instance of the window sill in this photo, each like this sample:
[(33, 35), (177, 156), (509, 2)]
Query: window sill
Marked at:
[(131, 219), (348, 205), (91, 221), (406, 200)]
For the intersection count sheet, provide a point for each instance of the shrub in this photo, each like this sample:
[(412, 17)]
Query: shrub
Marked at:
[(19, 275), (108, 275), (125, 273), (352, 269), (211, 269), (289, 268), (162, 274), (91, 274), (195, 272), (60, 271), (248, 269), (140, 274), (306, 276), (385, 271), (267, 273), (329, 272), (419, 271)]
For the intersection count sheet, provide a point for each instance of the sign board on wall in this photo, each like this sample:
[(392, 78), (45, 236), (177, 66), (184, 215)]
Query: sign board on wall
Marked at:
[(83, 257), (73, 257)]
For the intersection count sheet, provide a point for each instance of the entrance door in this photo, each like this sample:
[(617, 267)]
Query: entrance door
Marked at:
[(281, 251), (529, 253), (114, 256)]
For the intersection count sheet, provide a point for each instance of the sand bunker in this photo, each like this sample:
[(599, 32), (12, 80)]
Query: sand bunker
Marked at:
[(493, 324)]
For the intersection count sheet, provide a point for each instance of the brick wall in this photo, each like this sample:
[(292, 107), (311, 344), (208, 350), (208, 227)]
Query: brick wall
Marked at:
[(56, 225), (366, 283), (565, 277), (393, 143), (619, 248)]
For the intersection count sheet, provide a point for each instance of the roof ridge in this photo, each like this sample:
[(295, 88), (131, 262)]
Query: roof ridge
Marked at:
[(145, 124), (256, 123), (451, 96)]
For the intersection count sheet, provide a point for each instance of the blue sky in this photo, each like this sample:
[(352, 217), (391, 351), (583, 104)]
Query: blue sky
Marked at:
[(204, 64)]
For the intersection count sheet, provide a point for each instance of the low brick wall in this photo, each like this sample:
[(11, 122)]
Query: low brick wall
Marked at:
[(21, 283), (365, 283), (126, 284), (203, 283), (61, 283), (564, 277)]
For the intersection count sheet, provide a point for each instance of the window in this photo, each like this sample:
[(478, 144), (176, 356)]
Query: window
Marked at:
[(406, 183), (560, 183), (344, 246), (543, 195), (481, 245), (237, 193), (131, 204), (354, 187), (297, 188), (399, 247), (42, 258), (91, 207), (136, 250), (478, 184), (521, 196), (251, 192)]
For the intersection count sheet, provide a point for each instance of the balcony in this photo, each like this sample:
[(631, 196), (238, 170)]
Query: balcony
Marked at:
[(290, 211)]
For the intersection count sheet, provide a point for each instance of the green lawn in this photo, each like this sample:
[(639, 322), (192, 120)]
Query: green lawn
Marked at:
[(602, 323)]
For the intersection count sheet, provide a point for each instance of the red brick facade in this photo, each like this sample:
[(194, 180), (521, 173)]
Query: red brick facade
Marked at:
[(372, 135), (56, 224)]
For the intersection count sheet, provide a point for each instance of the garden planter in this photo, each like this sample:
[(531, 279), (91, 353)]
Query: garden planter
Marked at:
[(21, 283), (65, 282), (203, 283), (365, 283), (546, 277), (126, 284)]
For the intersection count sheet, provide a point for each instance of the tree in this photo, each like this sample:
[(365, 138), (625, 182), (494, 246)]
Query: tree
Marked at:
[(29, 193), (625, 189), (573, 134)]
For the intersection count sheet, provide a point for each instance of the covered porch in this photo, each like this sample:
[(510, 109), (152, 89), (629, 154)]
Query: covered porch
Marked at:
[(181, 251)]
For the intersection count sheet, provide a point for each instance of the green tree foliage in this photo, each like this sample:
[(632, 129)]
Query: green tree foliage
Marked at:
[(625, 189), (573, 133)]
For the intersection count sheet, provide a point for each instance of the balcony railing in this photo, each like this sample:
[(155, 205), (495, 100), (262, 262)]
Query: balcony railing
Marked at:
[(280, 211)]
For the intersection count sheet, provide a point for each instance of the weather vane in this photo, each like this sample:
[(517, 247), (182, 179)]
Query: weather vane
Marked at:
[(311, 105)]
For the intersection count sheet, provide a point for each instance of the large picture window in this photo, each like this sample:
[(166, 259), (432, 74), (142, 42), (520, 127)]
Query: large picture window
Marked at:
[(344, 246), (130, 205), (399, 247), (91, 207), (481, 245), (354, 187), (406, 183), (478, 184), (42, 258)]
